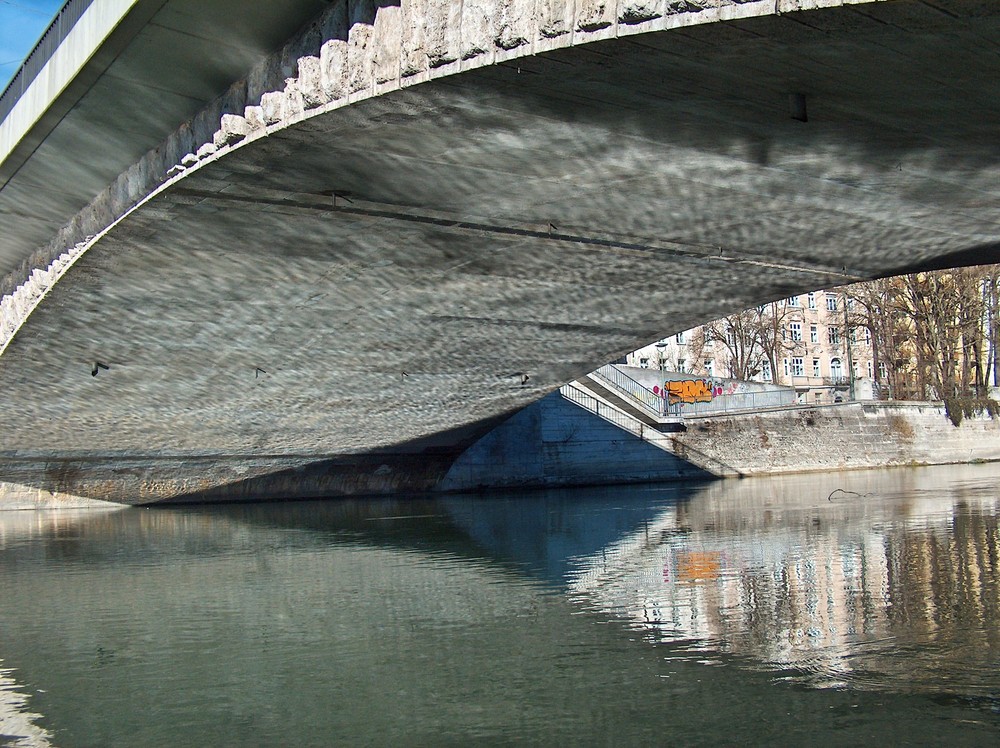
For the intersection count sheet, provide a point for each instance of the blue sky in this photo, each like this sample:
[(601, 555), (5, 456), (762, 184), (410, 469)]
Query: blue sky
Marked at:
[(21, 23)]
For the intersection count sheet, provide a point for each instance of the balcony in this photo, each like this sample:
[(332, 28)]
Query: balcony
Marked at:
[(802, 382)]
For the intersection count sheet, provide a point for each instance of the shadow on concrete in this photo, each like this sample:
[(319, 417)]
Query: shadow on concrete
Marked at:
[(984, 254), (407, 468)]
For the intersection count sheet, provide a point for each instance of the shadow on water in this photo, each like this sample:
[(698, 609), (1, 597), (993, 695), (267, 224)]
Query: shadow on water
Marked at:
[(538, 533)]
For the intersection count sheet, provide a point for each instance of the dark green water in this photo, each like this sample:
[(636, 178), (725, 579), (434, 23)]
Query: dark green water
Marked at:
[(745, 612)]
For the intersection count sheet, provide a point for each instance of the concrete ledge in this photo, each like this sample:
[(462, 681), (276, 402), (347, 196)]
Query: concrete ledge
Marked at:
[(88, 34), (14, 496), (39, 483)]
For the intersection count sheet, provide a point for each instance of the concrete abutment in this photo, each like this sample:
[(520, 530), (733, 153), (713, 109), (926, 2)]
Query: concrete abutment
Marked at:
[(552, 443)]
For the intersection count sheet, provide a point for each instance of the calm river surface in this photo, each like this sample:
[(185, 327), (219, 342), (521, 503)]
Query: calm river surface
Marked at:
[(835, 609)]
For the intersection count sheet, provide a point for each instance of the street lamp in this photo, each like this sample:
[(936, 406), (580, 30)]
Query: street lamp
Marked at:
[(847, 348)]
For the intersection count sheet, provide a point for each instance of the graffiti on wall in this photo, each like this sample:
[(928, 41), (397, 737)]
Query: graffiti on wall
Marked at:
[(687, 391), (692, 391), (729, 388)]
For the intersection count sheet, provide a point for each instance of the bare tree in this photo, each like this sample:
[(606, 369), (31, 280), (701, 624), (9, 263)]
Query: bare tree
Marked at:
[(934, 334), (991, 297), (770, 321), (877, 309), (739, 335), (938, 326)]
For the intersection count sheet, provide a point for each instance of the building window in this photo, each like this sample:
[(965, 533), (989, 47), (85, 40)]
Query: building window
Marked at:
[(795, 330), (765, 371), (836, 370), (709, 367), (815, 367), (833, 335), (792, 301), (680, 337), (643, 363), (813, 334), (798, 369), (831, 303), (868, 337), (869, 369), (811, 297), (785, 362), (681, 363)]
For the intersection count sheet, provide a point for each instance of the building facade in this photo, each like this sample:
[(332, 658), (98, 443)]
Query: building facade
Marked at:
[(813, 347)]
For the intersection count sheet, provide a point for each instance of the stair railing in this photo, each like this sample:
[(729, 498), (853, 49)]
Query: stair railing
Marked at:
[(636, 392), (622, 420)]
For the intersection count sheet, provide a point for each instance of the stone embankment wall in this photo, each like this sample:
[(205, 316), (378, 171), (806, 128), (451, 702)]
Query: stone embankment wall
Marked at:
[(556, 443), (841, 437), (550, 443)]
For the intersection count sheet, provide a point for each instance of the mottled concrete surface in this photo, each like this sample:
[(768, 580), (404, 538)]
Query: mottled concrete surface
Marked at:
[(364, 277), (105, 104)]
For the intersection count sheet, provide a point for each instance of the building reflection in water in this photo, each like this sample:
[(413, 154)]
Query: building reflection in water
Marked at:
[(870, 580)]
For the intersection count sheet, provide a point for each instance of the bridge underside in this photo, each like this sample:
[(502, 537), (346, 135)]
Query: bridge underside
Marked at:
[(343, 306)]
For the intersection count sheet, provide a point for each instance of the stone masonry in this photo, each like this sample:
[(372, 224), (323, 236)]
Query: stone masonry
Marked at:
[(841, 437)]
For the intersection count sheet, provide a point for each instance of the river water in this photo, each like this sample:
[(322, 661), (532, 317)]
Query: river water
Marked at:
[(833, 609)]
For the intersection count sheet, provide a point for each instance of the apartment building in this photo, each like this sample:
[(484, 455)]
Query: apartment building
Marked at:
[(815, 350)]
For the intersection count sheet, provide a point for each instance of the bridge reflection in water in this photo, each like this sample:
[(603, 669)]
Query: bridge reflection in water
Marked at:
[(834, 608)]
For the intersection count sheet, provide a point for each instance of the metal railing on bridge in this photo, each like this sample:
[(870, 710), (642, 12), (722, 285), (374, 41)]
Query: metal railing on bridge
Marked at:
[(42, 52)]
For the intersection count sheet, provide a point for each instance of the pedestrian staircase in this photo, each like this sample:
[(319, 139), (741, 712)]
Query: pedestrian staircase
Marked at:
[(652, 433), (633, 398), (576, 394)]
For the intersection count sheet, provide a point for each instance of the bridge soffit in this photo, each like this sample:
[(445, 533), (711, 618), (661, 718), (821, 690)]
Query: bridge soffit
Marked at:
[(356, 50)]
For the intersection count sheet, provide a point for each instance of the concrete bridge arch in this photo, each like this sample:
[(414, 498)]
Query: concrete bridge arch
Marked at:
[(335, 285)]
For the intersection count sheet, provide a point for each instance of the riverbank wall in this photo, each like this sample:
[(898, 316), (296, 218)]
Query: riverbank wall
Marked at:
[(552, 443), (555, 443), (844, 436)]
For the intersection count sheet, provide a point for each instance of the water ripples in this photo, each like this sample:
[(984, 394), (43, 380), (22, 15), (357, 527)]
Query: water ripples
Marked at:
[(702, 616)]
